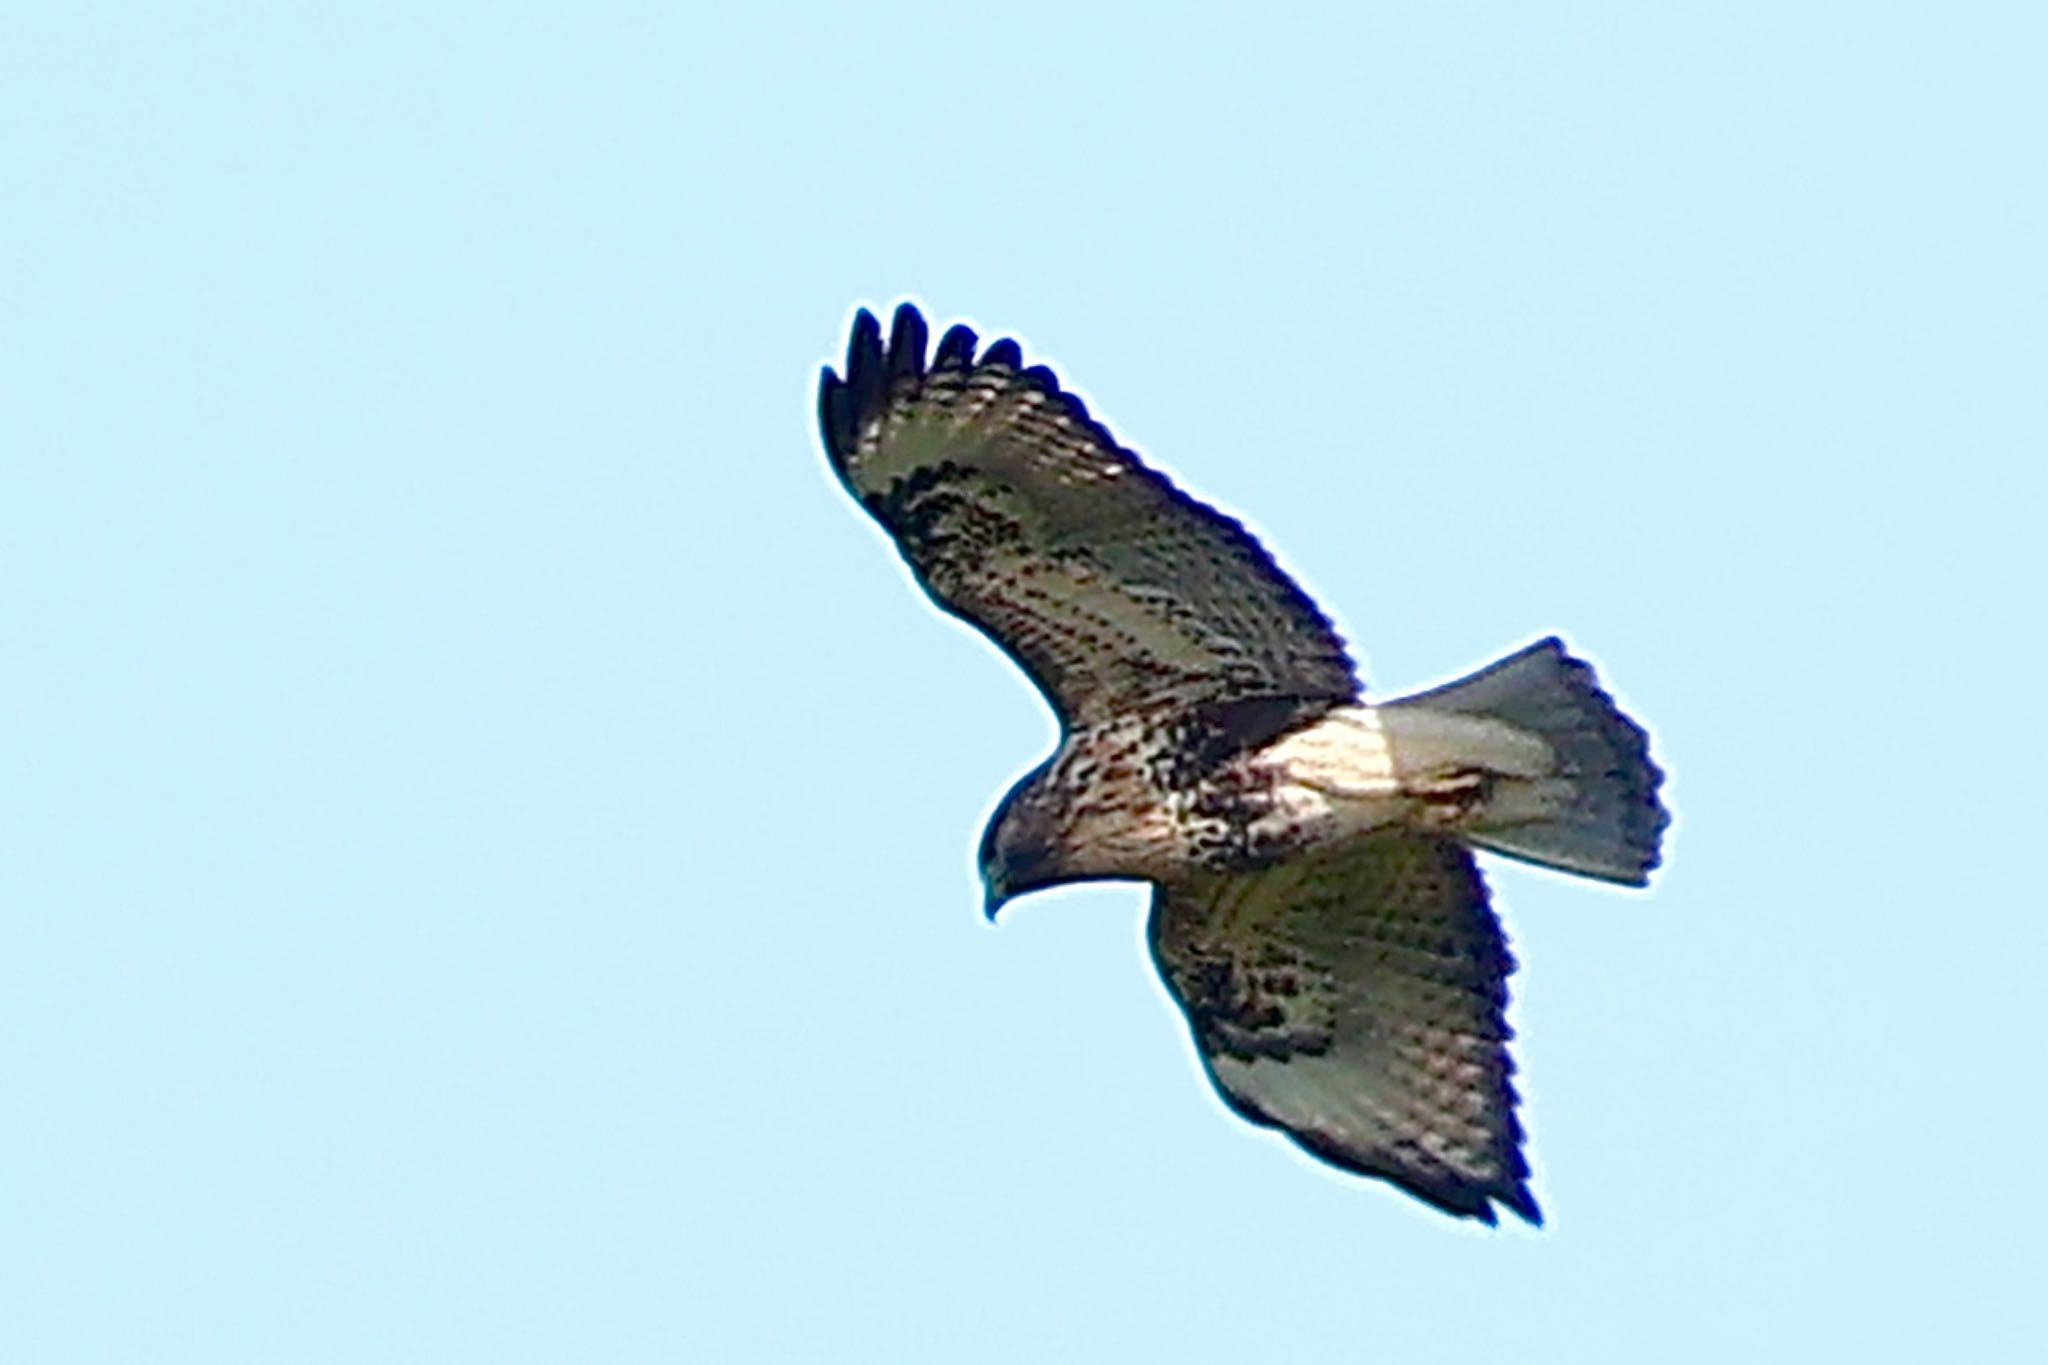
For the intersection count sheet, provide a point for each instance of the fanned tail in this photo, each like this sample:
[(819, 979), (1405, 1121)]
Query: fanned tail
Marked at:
[(1605, 819)]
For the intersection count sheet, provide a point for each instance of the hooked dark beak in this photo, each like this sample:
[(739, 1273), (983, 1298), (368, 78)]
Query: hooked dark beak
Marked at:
[(1012, 873), (994, 895)]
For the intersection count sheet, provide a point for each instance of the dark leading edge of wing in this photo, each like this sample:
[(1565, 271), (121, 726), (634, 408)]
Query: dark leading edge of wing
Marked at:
[(1021, 514)]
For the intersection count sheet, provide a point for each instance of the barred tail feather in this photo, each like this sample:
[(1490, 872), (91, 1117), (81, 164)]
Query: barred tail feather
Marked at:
[(1612, 823)]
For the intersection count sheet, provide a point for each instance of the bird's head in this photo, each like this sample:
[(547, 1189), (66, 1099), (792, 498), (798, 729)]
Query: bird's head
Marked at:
[(1020, 847)]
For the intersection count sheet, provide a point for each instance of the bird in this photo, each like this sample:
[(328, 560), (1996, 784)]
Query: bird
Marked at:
[(1317, 912)]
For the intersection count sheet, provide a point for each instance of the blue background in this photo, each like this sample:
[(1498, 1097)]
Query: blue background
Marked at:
[(487, 827)]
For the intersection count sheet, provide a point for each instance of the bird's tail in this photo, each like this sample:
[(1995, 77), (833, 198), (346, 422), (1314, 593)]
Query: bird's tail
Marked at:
[(1595, 809)]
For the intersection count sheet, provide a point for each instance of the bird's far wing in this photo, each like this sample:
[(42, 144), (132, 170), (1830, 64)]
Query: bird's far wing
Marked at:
[(1019, 513), (1355, 1001)]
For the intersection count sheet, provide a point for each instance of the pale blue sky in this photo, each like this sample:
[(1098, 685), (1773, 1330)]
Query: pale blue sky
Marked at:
[(486, 856)]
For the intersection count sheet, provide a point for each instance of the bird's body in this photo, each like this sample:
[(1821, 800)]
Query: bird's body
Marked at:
[(1353, 771), (1317, 911)]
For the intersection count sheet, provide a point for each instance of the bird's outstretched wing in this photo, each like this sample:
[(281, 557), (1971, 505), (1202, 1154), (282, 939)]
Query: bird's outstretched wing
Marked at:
[(1354, 999), (1019, 513)]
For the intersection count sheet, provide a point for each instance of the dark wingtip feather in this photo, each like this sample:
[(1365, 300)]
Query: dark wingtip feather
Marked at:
[(1044, 378), (1006, 353), (842, 400), (1459, 1197), (1523, 1204), (1477, 1201), (863, 344), (907, 336), (832, 410), (956, 347)]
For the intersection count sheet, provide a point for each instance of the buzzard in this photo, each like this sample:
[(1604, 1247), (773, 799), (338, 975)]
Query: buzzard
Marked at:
[(1316, 910)]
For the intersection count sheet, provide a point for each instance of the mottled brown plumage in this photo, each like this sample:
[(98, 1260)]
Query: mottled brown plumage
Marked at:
[(1317, 911)]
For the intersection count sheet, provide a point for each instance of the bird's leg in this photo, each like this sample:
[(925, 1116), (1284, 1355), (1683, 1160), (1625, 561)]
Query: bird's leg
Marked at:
[(1450, 798)]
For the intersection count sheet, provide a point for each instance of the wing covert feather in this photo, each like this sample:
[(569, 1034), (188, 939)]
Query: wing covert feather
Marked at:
[(1021, 514)]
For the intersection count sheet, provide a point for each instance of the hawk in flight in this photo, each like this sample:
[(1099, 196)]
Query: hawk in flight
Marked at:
[(1316, 909)]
